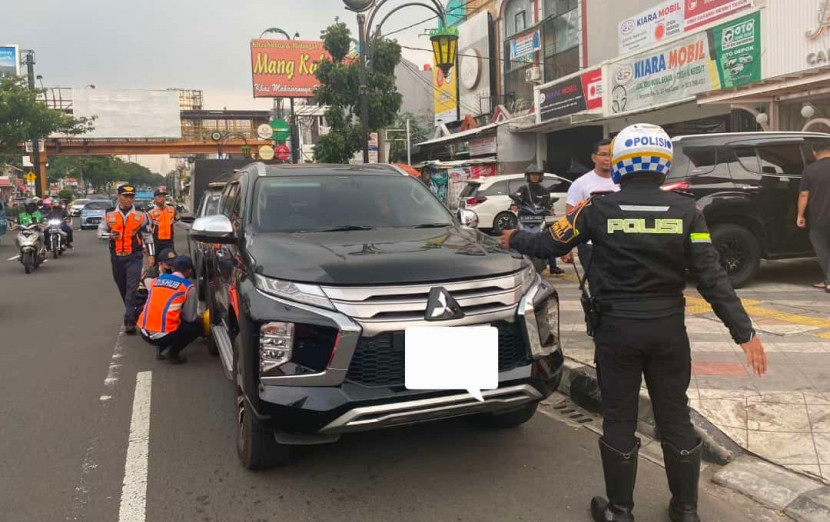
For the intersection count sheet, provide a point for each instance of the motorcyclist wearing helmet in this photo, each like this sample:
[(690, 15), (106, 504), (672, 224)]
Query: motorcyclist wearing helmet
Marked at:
[(644, 241), (56, 211), (30, 215), (534, 192)]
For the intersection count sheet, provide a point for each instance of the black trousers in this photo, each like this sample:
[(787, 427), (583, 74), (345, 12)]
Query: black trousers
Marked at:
[(820, 237), (68, 230), (659, 349), (126, 271), (178, 340)]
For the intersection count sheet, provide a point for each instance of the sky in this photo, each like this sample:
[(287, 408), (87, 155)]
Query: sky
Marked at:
[(161, 44)]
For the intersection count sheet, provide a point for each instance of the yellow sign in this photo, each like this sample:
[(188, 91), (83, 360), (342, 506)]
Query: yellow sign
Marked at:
[(30, 177), (445, 100)]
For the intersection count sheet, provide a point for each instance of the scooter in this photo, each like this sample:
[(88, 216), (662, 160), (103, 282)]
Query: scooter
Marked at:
[(533, 218), (30, 244), (56, 238)]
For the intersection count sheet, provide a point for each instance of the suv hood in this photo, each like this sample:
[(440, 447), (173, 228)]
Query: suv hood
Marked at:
[(383, 256)]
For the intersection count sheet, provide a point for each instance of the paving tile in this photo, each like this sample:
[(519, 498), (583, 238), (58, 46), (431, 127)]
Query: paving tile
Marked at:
[(724, 413), (720, 393), (764, 482), (718, 368), (822, 443), (819, 417), (779, 398), (805, 347), (783, 448), (812, 469), (816, 398), (721, 346), (777, 417)]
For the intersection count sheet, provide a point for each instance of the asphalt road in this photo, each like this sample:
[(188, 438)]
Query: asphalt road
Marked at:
[(67, 385)]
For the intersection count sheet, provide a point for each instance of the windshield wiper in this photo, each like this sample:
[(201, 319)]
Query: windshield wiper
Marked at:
[(432, 225), (347, 228)]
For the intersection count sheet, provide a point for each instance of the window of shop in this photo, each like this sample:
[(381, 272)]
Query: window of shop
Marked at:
[(517, 16), (561, 38)]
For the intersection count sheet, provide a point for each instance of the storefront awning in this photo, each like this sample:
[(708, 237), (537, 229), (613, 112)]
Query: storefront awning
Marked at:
[(800, 85), (463, 135), (563, 122)]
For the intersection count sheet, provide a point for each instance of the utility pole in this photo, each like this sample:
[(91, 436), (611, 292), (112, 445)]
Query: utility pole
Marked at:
[(39, 183)]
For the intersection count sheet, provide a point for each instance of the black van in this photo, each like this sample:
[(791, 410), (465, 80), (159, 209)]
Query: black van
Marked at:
[(747, 185)]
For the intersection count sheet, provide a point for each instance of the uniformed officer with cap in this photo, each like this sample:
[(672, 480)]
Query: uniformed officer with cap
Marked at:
[(163, 217), (644, 240), (130, 235)]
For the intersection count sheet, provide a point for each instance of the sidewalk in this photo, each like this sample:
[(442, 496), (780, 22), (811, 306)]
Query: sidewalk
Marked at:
[(783, 417)]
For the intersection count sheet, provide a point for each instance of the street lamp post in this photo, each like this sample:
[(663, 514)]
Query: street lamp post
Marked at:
[(444, 43)]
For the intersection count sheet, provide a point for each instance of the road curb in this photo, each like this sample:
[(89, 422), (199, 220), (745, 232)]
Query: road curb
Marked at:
[(579, 382), (800, 497)]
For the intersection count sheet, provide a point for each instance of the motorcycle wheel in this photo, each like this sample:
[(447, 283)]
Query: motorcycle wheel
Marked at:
[(28, 263), (54, 249)]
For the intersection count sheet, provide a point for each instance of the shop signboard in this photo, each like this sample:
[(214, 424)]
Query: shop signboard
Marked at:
[(286, 68), (483, 146), (668, 74), (445, 99), (738, 50), (578, 93), (701, 12), (522, 47)]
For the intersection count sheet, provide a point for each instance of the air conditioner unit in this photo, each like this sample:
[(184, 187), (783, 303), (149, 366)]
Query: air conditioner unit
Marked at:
[(533, 75)]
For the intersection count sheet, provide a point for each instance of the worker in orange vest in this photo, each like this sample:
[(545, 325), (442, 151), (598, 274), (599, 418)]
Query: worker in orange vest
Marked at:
[(163, 217), (170, 318), (130, 235)]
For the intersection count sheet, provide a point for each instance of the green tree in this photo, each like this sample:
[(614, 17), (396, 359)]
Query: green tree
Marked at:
[(340, 90), (417, 134), (23, 117)]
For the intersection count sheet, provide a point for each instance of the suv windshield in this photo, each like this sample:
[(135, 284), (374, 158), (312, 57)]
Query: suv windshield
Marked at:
[(319, 203)]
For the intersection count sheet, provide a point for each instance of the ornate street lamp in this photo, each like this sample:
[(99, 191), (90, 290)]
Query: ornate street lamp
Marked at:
[(444, 47)]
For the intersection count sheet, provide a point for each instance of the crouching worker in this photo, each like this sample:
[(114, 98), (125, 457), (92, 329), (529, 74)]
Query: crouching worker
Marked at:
[(170, 318)]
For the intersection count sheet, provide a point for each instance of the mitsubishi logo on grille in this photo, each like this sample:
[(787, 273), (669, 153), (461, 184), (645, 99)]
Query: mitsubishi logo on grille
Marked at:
[(442, 307)]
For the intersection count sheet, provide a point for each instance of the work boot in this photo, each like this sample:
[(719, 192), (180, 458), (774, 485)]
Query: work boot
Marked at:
[(175, 358), (129, 328), (620, 471), (683, 472)]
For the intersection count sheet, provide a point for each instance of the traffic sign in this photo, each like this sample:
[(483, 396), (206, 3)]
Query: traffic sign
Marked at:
[(266, 152), (264, 131), (31, 177), (282, 130), (283, 153)]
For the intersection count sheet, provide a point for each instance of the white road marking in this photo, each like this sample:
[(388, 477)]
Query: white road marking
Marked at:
[(134, 488)]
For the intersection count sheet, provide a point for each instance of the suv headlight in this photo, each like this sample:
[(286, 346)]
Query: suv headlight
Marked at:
[(299, 292), (276, 343), (547, 318), (529, 278)]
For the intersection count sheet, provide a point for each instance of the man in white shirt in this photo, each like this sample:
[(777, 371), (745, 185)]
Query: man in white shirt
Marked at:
[(597, 181)]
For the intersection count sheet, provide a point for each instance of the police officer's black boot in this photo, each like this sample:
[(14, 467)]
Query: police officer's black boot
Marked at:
[(620, 475), (683, 472)]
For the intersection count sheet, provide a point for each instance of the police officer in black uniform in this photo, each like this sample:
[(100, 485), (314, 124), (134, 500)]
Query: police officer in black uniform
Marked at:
[(644, 240)]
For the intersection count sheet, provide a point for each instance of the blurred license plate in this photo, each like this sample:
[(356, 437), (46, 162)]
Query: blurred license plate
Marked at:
[(531, 219), (93, 220)]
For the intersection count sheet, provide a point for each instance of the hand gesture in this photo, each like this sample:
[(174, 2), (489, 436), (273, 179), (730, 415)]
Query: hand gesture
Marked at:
[(801, 222), (567, 258), (755, 356), (505, 238)]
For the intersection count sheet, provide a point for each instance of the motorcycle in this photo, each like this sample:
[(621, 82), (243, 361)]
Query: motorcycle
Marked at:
[(56, 238), (30, 244), (533, 218)]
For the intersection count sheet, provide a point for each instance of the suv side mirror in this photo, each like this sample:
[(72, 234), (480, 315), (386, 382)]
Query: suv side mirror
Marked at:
[(468, 218), (188, 218), (213, 229)]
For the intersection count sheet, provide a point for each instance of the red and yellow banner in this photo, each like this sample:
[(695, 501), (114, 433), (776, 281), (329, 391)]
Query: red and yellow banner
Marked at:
[(285, 68)]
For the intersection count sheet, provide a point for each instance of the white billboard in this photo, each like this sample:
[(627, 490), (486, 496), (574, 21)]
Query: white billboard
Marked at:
[(129, 113), (474, 65)]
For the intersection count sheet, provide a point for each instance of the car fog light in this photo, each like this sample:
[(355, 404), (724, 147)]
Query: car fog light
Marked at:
[(276, 342)]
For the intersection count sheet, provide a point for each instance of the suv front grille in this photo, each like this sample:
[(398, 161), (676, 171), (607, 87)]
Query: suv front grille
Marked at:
[(379, 360)]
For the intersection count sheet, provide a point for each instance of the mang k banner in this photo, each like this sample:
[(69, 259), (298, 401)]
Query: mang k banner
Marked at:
[(286, 68)]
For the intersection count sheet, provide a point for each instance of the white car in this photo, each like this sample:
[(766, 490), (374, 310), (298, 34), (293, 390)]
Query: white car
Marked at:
[(489, 198), (76, 206)]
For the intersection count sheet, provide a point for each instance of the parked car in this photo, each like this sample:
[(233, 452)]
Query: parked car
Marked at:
[(747, 185), (93, 212), (321, 270), (76, 206), (489, 198)]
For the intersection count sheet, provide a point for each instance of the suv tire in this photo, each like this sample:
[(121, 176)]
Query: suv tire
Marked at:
[(739, 250), (255, 445), (511, 419), (504, 221)]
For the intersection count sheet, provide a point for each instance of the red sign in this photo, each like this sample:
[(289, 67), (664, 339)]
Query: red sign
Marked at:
[(286, 68), (702, 12), (282, 152), (592, 85)]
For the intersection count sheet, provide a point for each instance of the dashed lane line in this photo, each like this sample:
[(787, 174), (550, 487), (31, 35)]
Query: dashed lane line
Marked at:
[(134, 488)]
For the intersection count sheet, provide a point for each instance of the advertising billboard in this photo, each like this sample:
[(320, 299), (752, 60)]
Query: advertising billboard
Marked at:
[(579, 93), (285, 68), (445, 98), (129, 113), (9, 60), (476, 69), (673, 18), (737, 47)]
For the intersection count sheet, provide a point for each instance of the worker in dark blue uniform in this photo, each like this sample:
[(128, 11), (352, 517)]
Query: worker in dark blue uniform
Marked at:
[(130, 234), (644, 241)]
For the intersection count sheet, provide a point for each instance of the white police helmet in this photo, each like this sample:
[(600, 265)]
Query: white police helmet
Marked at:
[(641, 147)]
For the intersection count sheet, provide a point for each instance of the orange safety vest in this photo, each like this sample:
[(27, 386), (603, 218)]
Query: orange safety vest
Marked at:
[(162, 311), (163, 222), (127, 227)]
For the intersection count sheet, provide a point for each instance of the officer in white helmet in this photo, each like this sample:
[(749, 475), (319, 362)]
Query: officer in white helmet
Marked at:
[(644, 241)]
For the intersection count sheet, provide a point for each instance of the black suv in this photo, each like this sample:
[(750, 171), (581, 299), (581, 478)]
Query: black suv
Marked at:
[(320, 272), (747, 185)]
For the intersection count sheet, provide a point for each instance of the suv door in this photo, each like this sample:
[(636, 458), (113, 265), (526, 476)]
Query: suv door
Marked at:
[(769, 172), (219, 261)]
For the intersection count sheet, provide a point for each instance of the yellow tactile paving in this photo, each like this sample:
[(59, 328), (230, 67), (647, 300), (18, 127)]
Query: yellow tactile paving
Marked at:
[(695, 305)]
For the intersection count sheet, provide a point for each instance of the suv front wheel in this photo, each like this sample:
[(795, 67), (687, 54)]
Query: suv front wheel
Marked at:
[(740, 252)]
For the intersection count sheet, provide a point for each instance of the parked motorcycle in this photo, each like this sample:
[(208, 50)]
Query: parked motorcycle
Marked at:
[(533, 218), (56, 238), (29, 243)]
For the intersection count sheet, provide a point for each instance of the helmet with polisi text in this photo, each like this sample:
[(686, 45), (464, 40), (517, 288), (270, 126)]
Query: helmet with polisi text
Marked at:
[(640, 148)]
